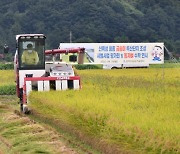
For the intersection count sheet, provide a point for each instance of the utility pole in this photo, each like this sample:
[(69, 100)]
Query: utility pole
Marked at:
[(70, 37)]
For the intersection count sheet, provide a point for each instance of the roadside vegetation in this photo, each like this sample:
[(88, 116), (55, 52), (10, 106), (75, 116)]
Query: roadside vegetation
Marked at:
[(128, 110)]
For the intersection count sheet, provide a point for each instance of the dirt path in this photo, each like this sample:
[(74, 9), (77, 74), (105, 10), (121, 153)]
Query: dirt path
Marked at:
[(19, 134), (1, 152)]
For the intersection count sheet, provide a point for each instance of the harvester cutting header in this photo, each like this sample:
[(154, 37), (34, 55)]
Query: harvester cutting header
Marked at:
[(33, 73)]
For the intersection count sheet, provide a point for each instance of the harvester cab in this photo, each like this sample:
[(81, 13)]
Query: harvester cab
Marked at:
[(33, 73)]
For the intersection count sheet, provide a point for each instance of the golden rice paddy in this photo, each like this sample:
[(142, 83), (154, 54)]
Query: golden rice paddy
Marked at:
[(137, 109)]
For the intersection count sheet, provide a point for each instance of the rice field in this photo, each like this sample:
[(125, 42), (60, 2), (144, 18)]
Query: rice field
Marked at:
[(7, 77), (128, 110), (7, 82)]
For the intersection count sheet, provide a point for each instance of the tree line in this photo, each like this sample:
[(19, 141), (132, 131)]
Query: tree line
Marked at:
[(92, 21)]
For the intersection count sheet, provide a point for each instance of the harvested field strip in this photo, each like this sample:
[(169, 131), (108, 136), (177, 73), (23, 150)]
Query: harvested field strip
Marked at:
[(133, 109), (18, 134)]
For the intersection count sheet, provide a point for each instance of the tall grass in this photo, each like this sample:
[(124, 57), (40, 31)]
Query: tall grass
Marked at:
[(129, 109)]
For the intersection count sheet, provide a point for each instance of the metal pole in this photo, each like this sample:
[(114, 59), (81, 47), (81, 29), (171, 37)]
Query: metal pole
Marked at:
[(70, 37)]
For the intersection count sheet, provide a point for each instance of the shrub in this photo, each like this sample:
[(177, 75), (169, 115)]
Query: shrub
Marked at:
[(6, 66), (87, 66)]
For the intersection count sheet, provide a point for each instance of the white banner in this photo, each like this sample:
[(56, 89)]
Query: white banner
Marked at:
[(122, 53)]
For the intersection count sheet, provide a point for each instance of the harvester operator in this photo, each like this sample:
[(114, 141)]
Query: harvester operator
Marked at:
[(30, 56)]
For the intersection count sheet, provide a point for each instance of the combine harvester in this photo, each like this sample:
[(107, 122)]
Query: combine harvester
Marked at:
[(33, 73)]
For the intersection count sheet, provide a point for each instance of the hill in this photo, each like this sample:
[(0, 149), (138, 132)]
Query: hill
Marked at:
[(92, 21)]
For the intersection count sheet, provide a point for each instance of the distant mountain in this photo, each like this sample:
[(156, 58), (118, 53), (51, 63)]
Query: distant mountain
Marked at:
[(92, 21)]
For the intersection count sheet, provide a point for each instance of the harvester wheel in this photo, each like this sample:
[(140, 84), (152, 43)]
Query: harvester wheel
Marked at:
[(25, 109), (21, 94), (21, 106)]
